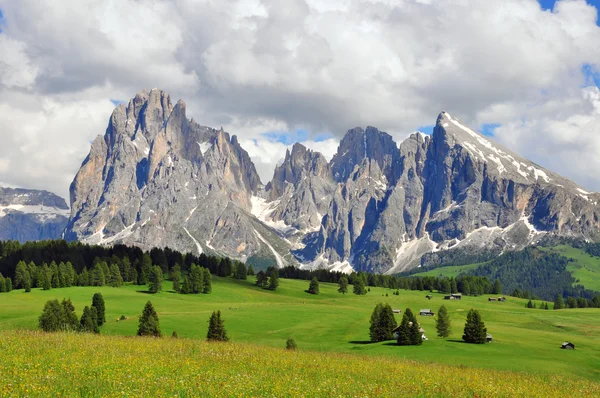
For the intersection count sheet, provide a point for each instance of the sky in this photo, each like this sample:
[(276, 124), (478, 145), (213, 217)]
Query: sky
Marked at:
[(274, 72)]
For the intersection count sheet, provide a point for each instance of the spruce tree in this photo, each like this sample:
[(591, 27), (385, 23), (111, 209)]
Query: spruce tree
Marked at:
[(185, 286), (2, 284), (442, 323), (313, 287), (250, 270), (46, 284), (53, 317), (54, 275), (415, 331), (529, 304), (176, 277), (155, 279), (98, 303), (84, 277), (196, 278), (86, 323), (207, 282), (94, 312), (290, 344), (116, 279), (9, 285), (273, 278), (374, 329), (261, 279), (359, 286), (27, 285), (21, 275), (497, 287), (240, 272), (475, 330), (343, 285), (559, 303), (149, 323), (383, 323), (216, 328), (70, 318), (404, 332), (97, 277)]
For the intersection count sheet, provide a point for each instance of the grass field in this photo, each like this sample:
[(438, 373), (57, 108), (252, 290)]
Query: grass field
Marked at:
[(524, 339), (39, 364)]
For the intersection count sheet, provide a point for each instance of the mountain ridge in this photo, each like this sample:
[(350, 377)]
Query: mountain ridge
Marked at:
[(377, 206)]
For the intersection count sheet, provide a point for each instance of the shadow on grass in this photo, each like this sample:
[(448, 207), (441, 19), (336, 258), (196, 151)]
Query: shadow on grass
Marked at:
[(362, 342), (456, 341), (144, 291)]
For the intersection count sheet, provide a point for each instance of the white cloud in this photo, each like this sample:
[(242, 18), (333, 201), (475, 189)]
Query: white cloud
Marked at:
[(263, 65)]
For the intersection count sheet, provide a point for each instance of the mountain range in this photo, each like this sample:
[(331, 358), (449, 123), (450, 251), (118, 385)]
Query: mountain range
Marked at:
[(157, 178)]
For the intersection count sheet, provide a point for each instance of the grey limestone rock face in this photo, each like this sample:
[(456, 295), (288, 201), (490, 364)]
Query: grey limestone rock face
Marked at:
[(157, 178), (29, 215)]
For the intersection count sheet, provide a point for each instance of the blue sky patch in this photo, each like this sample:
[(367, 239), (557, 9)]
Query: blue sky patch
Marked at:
[(1, 20), (488, 129), (592, 75), (291, 137), (426, 129), (549, 5), (116, 102)]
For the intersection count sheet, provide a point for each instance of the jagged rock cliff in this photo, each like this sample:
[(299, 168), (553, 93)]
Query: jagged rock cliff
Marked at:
[(158, 179), (27, 215)]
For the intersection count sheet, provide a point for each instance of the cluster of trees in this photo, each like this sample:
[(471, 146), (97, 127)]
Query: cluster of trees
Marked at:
[(6, 284), (383, 323), (576, 302), (198, 280), (268, 279), (60, 316), (409, 330), (531, 304)]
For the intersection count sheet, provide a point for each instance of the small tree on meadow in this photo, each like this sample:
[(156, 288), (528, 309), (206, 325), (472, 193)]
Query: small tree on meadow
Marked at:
[(176, 277), (313, 287), (2, 284), (261, 279), (70, 318), (207, 282), (9, 285), (290, 344), (273, 278), (52, 318), (359, 286), (475, 331), (382, 323), (155, 279), (250, 270), (559, 303), (149, 324), (88, 323), (408, 332), (442, 323), (216, 328), (343, 285), (116, 279), (98, 303), (185, 286), (529, 304), (240, 272)]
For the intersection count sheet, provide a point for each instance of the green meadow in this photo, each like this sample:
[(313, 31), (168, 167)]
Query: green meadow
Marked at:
[(525, 340)]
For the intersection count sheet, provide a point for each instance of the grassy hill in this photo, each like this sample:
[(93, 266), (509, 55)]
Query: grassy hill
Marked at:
[(39, 364), (584, 268), (524, 339)]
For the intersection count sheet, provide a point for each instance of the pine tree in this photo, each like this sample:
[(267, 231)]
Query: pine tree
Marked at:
[(97, 277), (383, 323), (475, 330), (174, 334), (374, 329), (98, 303), (405, 329), (546, 306), (216, 328), (442, 323), (54, 275), (9, 284), (185, 287), (261, 279), (84, 277), (240, 272), (2, 284), (70, 318), (529, 304), (313, 287), (196, 277), (149, 323), (343, 285), (155, 279), (21, 275), (359, 286), (207, 282), (250, 270), (53, 316), (176, 277), (27, 285), (94, 312), (116, 280), (415, 331), (559, 303), (497, 287), (290, 344), (86, 323), (46, 284), (273, 278)]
